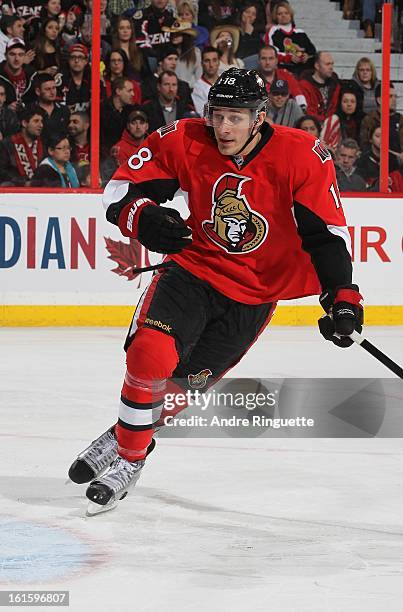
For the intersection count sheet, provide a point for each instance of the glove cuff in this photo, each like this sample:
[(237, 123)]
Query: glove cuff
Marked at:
[(129, 216), (351, 296), (344, 293)]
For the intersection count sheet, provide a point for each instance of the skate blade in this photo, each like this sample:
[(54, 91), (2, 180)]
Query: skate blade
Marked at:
[(93, 509)]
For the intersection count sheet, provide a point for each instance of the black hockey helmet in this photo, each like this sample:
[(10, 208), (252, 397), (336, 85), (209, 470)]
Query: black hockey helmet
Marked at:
[(238, 88)]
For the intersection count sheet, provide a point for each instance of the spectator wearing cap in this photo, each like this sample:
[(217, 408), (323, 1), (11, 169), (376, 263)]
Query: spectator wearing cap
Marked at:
[(9, 123), (149, 24), (133, 136), (56, 115), (21, 153), (269, 70), (76, 80), (226, 40), (77, 129), (210, 64), (321, 87), (114, 113), (373, 119), (117, 66), (16, 76), (188, 67), (168, 106), (282, 110), (11, 26), (295, 50), (167, 60)]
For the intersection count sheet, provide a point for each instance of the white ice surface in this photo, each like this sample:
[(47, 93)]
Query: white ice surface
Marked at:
[(302, 525)]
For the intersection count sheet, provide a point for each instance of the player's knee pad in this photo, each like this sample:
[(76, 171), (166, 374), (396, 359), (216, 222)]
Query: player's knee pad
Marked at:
[(151, 358)]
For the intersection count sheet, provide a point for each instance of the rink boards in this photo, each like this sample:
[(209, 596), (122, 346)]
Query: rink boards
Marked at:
[(61, 263)]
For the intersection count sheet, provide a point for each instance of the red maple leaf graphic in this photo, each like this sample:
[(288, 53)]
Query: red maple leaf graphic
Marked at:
[(126, 255)]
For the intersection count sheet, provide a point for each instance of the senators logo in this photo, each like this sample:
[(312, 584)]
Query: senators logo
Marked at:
[(234, 226), (198, 381)]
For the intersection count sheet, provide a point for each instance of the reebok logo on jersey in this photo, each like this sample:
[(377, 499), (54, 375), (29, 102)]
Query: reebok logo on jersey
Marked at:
[(163, 326)]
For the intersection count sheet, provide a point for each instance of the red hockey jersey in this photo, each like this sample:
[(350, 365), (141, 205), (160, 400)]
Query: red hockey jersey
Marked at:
[(266, 227)]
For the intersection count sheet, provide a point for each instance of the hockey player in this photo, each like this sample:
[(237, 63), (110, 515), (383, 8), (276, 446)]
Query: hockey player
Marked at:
[(266, 223)]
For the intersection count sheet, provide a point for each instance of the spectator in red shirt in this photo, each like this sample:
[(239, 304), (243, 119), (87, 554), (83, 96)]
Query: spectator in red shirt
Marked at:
[(321, 87), (269, 70), (15, 76), (132, 138)]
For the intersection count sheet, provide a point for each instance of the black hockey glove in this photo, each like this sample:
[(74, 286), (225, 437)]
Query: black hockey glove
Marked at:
[(344, 314), (162, 230)]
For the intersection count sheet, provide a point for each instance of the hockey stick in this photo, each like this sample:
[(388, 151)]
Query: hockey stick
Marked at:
[(375, 352)]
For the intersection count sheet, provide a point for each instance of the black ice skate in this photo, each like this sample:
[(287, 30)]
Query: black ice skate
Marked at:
[(105, 492), (95, 458)]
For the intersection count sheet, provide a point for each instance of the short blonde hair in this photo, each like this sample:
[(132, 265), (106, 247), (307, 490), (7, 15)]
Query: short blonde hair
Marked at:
[(283, 4), (185, 4)]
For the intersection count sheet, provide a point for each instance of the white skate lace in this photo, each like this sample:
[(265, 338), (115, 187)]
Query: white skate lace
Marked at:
[(101, 452), (121, 474)]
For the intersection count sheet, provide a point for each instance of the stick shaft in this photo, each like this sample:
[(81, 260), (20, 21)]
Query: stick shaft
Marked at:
[(375, 352)]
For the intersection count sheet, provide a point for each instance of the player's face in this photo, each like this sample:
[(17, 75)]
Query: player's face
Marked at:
[(268, 61), (210, 64), (346, 157), (232, 128), (348, 104)]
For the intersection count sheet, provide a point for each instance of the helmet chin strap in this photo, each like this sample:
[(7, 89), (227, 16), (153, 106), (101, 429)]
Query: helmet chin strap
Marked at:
[(248, 141)]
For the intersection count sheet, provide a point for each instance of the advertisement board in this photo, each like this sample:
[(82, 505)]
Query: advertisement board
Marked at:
[(57, 251)]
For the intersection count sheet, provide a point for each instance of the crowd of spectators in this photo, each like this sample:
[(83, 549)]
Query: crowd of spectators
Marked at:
[(159, 59)]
